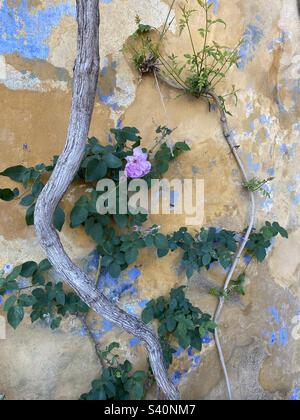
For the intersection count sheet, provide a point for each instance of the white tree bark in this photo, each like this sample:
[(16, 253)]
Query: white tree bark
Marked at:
[(86, 73)]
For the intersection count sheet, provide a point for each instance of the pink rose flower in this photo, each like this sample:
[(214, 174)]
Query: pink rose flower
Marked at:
[(137, 165)]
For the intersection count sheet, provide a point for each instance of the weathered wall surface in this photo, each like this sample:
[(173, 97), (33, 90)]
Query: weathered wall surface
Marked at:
[(260, 332)]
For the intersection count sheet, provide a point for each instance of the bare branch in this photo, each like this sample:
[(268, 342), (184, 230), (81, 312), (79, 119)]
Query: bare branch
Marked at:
[(86, 73)]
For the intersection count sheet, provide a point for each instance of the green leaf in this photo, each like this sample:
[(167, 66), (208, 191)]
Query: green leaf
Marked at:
[(161, 241), (55, 323), (28, 269), (38, 278), (96, 169), (30, 216), (131, 256), (59, 219), (281, 230), (260, 254), (206, 260), (9, 303), (79, 215), (14, 274), (121, 220), (171, 324), (16, 173), (45, 265), (162, 252), (182, 146), (60, 298), (190, 272), (15, 316), (26, 300), (148, 314), (138, 391), (37, 188), (114, 270), (112, 161), (8, 195), (139, 376), (27, 201), (96, 233)]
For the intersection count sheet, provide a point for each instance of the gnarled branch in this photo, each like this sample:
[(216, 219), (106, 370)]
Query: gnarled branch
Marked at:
[(86, 73)]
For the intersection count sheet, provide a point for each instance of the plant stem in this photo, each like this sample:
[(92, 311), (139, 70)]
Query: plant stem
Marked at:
[(205, 38), (232, 145)]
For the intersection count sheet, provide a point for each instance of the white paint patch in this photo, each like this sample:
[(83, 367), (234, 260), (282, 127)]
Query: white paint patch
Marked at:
[(117, 24), (15, 80), (296, 329), (2, 68)]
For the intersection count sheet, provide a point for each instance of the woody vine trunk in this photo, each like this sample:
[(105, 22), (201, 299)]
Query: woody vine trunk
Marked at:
[(86, 74)]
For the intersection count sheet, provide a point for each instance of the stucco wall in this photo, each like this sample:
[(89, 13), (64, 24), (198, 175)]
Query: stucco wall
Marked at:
[(260, 332)]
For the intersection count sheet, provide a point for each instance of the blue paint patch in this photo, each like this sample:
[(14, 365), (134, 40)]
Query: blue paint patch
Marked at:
[(281, 40), (206, 339), (252, 37), (134, 273), (106, 1), (253, 167), (26, 33), (296, 200), (265, 119), (297, 126), (134, 342), (176, 377), (288, 149), (179, 352), (295, 395), (279, 334), (116, 288), (143, 303), (216, 5), (107, 326), (283, 336)]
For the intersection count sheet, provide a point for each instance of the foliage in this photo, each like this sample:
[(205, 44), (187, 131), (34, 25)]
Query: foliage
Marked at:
[(198, 71), (256, 184), (117, 251), (45, 300), (179, 321), (260, 242), (236, 286), (119, 239), (117, 380)]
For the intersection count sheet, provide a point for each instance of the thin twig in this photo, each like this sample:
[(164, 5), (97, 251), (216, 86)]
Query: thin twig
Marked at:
[(233, 148)]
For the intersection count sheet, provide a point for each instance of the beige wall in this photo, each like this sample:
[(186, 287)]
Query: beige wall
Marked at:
[(261, 331)]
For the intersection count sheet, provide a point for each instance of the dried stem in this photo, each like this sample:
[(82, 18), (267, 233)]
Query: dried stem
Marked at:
[(234, 151), (84, 90)]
